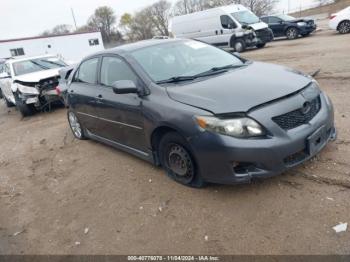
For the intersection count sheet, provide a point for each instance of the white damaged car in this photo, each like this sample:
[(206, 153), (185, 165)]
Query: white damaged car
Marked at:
[(31, 83)]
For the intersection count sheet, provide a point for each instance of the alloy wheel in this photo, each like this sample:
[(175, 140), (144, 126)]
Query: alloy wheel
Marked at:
[(292, 33), (344, 27), (74, 124)]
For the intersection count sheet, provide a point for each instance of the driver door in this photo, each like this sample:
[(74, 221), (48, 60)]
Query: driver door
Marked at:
[(276, 25), (120, 117)]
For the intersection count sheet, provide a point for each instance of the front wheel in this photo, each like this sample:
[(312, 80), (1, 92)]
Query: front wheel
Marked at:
[(76, 127), (344, 27), (177, 160), (261, 45), (292, 33), (239, 46), (23, 108)]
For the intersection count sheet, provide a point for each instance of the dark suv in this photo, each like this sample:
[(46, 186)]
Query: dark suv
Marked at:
[(203, 114), (292, 28)]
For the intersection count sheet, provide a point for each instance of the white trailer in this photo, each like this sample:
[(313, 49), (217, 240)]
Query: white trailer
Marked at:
[(71, 47)]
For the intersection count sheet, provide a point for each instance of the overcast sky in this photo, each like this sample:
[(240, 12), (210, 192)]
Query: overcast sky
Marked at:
[(24, 18)]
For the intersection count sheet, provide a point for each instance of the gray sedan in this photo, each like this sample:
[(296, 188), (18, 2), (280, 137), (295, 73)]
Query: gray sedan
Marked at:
[(201, 113)]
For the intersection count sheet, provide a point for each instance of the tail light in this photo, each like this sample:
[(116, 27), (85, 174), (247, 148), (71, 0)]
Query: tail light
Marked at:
[(333, 16)]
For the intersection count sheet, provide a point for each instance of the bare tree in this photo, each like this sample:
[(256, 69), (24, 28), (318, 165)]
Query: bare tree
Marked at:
[(159, 14), (58, 30), (104, 20), (139, 26), (259, 7)]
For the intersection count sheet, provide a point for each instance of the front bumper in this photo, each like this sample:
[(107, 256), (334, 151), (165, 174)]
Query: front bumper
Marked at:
[(227, 160), (307, 29), (264, 35)]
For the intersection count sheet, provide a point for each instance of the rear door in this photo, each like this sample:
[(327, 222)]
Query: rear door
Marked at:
[(82, 93), (120, 115)]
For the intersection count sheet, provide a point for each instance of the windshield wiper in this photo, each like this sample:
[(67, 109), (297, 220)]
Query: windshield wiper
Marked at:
[(176, 79), (215, 70), (39, 65)]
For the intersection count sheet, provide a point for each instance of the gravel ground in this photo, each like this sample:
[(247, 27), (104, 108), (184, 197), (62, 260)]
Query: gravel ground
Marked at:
[(63, 196)]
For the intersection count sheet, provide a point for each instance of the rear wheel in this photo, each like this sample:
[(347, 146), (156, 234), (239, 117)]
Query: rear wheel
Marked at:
[(292, 33), (1, 96), (76, 127), (178, 162), (239, 46), (344, 27)]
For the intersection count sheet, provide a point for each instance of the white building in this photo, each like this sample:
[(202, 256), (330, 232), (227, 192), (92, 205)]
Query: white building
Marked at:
[(71, 47)]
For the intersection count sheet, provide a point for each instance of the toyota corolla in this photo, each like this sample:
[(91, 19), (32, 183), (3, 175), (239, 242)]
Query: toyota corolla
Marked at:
[(203, 114)]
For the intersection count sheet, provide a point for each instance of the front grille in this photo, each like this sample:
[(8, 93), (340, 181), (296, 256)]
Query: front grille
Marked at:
[(263, 34), (298, 117)]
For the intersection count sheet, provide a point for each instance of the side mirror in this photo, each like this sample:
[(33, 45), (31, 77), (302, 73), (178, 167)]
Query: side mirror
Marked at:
[(4, 75), (124, 87)]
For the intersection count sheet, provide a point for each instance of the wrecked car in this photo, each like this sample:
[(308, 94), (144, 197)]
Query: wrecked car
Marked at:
[(290, 27), (201, 113), (30, 83), (65, 78)]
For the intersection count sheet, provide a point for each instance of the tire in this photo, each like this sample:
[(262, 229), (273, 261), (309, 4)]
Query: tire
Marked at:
[(292, 33), (23, 108), (239, 45), (8, 103), (344, 27), (78, 130), (261, 45), (1, 96), (178, 162)]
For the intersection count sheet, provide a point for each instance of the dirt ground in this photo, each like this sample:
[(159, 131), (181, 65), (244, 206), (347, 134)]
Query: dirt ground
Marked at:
[(59, 195)]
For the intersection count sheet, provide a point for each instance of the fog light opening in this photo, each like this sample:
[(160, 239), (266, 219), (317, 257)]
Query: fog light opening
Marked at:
[(243, 167)]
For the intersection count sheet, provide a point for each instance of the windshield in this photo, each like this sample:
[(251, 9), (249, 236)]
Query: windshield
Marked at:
[(37, 64), (286, 17), (183, 58), (246, 17)]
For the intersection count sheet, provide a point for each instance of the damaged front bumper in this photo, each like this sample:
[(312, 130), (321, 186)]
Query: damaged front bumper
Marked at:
[(40, 93)]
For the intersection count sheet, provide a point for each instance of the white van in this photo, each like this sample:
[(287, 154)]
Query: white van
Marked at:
[(232, 26)]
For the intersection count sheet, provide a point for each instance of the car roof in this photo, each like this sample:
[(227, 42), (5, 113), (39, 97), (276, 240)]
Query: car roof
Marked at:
[(128, 48)]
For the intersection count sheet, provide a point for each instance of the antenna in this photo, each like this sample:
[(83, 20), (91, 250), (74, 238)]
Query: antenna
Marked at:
[(75, 22)]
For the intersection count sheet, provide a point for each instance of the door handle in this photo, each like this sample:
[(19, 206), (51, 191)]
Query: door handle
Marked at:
[(100, 97), (71, 91)]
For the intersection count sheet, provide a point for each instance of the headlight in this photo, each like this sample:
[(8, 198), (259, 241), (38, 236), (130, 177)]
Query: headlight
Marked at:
[(301, 24), (27, 90), (236, 127)]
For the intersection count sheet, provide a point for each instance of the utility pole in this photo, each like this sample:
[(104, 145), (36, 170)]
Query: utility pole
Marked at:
[(75, 22), (288, 6)]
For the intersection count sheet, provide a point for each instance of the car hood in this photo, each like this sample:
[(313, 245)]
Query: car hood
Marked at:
[(241, 89), (258, 26), (37, 76)]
